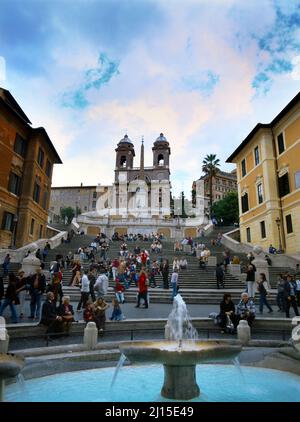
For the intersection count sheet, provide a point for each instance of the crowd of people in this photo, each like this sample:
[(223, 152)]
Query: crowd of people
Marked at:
[(132, 267)]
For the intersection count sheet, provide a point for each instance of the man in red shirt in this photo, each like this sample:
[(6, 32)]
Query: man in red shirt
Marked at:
[(143, 288)]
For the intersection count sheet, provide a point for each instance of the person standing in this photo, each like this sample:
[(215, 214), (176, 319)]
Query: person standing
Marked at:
[(280, 299), (100, 307), (5, 264), (165, 273), (250, 279), (262, 288), (85, 291), (220, 276), (11, 298), (21, 286), (101, 285), (174, 282), (37, 286), (114, 268), (143, 288), (92, 278), (290, 288)]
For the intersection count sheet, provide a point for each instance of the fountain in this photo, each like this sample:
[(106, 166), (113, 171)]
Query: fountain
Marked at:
[(179, 354), (10, 365)]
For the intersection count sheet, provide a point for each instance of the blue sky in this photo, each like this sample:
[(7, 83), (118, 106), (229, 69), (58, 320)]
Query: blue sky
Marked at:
[(202, 72)]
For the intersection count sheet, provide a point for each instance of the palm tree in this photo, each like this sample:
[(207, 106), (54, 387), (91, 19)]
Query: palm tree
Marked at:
[(210, 166)]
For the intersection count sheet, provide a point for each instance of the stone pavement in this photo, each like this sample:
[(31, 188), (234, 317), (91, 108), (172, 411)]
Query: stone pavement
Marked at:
[(155, 310)]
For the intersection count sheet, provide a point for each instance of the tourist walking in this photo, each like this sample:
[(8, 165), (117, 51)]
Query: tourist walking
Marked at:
[(280, 298), (250, 279), (85, 291), (165, 273), (174, 282), (5, 264), (11, 298), (143, 288), (262, 288), (21, 286), (290, 288), (37, 286), (220, 276)]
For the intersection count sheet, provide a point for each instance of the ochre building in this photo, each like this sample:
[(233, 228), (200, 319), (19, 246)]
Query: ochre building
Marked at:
[(27, 156), (268, 174)]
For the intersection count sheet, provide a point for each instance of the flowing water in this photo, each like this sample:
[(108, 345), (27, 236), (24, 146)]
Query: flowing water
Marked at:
[(179, 323), (118, 368)]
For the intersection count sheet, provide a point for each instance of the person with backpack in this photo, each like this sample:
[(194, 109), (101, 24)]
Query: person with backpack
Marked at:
[(262, 288)]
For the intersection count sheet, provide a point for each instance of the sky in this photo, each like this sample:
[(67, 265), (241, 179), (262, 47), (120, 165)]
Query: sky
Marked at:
[(203, 72)]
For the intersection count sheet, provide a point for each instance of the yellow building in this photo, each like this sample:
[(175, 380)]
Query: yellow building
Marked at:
[(268, 174)]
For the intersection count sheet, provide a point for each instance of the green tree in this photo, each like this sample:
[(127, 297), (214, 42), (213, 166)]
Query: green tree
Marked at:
[(69, 213), (227, 209), (210, 166)]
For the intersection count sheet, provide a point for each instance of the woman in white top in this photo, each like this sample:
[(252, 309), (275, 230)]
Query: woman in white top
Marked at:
[(183, 264), (176, 265)]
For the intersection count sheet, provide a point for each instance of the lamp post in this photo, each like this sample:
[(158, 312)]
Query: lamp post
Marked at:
[(279, 233)]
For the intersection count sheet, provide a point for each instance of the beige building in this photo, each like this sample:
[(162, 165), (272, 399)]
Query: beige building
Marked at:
[(82, 197), (268, 171), (222, 184)]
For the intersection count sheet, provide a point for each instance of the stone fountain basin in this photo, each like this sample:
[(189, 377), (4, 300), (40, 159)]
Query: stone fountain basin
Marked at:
[(169, 353), (10, 366)]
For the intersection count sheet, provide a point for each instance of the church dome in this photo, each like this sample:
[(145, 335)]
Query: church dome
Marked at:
[(125, 140), (161, 138), (161, 141)]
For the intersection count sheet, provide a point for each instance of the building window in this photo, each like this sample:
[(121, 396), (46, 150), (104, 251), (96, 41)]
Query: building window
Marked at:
[(260, 194), (256, 155), (14, 184), (280, 143), (45, 197), (289, 224), (245, 203), (8, 221), (20, 145), (297, 180), (94, 204), (263, 229), (283, 185), (48, 168), (36, 193), (243, 168), (41, 232), (248, 233), (94, 195), (32, 227), (41, 157)]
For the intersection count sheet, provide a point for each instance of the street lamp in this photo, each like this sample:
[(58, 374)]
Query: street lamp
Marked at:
[(279, 233)]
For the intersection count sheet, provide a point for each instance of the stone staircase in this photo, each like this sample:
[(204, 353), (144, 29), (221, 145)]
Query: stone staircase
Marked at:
[(196, 285)]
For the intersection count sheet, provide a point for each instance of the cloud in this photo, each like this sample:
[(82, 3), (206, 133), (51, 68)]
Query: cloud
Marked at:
[(204, 83), (93, 78)]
